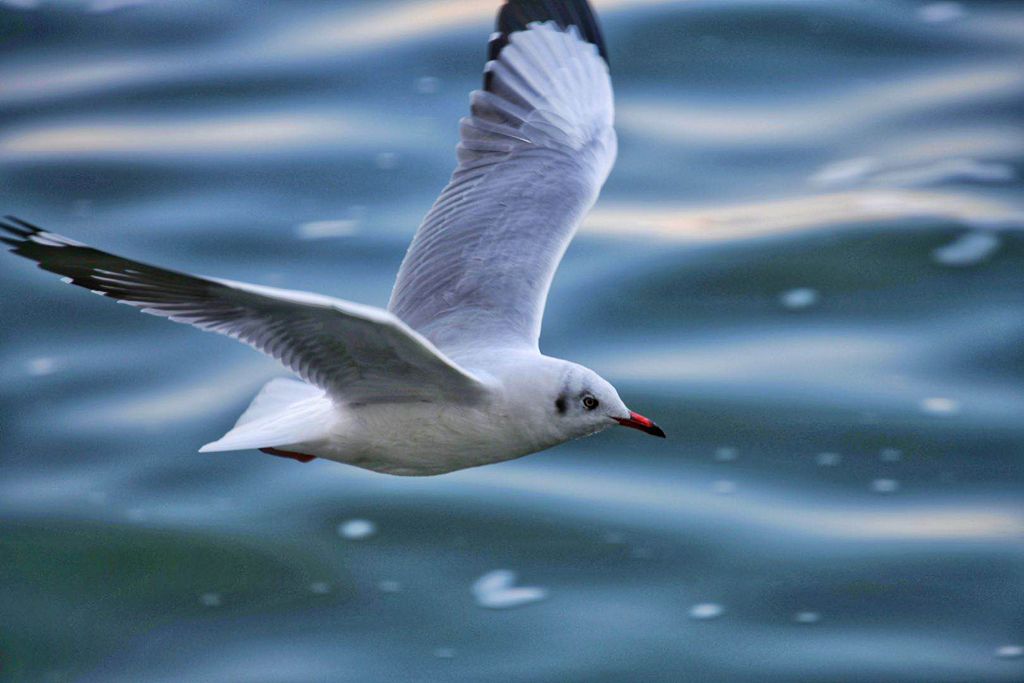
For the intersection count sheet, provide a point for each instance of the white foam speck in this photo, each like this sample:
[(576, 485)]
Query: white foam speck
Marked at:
[(807, 617), (1010, 651), (357, 529), (828, 459), (941, 12), (885, 486), (320, 588), (967, 250), (315, 230), (427, 85), (706, 610), (497, 590), (211, 600), (940, 406), (726, 454), (801, 297), (38, 367)]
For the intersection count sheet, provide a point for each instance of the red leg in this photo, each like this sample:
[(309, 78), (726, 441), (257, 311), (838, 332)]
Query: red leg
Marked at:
[(301, 457)]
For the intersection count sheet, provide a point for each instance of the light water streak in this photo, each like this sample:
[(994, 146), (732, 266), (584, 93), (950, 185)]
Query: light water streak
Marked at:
[(240, 134), (736, 221)]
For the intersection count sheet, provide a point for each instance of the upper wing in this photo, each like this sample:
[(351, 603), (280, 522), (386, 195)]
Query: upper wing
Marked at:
[(532, 159), (357, 353)]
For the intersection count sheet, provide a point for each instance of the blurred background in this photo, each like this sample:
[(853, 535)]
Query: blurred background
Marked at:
[(808, 267)]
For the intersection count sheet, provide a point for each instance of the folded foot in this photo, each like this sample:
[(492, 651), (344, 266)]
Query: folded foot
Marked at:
[(301, 457)]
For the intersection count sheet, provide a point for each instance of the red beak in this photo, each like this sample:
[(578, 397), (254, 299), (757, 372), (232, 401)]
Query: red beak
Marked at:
[(638, 421)]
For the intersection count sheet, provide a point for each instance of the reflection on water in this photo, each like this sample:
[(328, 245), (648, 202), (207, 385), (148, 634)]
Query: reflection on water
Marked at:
[(808, 212), (808, 266)]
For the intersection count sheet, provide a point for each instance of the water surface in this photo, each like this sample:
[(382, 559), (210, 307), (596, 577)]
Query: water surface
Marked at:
[(808, 267)]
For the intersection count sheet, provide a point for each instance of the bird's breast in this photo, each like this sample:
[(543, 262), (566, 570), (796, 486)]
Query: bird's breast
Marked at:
[(430, 438)]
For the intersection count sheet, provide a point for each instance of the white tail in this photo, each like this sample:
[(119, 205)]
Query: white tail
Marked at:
[(285, 412)]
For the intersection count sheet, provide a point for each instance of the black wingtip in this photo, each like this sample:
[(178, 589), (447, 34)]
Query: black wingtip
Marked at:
[(517, 15), (18, 227), (24, 224)]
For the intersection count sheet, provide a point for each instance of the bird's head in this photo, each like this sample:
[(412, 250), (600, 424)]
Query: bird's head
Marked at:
[(583, 402)]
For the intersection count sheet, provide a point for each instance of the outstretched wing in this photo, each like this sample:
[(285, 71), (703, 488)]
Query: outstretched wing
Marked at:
[(532, 159), (356, 353)]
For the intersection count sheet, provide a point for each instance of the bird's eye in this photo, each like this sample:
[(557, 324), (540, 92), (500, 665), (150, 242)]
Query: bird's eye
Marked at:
[(589, 402)]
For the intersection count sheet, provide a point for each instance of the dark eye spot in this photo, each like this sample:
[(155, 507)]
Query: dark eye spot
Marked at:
[(560, 405), (589, 402)]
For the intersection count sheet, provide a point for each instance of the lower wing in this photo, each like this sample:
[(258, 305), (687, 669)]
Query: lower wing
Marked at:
[(358, 354)]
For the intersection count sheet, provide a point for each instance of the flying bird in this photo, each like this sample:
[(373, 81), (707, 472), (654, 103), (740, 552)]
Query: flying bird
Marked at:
[(451, 374)]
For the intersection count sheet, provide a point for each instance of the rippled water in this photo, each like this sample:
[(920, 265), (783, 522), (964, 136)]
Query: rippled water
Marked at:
[(808, 266)]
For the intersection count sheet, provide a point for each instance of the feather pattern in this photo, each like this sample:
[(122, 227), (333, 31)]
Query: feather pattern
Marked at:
[(358, 354), (532, 158)]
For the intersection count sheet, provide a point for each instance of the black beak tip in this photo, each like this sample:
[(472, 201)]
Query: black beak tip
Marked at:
[(645, 425)]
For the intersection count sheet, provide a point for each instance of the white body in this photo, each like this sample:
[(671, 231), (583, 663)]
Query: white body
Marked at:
[(512, 419)]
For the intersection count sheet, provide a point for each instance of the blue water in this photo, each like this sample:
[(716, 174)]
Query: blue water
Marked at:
[(808, 267)]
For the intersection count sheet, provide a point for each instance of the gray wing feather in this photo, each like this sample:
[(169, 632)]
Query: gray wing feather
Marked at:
[(532, 159), (356, 353)]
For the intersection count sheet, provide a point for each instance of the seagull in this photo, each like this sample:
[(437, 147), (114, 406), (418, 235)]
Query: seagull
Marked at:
[(450, 375)]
